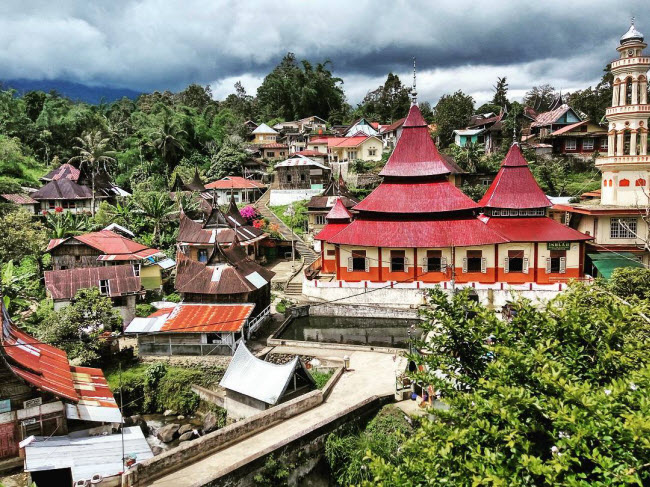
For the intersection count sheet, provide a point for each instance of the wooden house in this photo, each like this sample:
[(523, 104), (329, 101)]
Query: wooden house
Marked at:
[(300, 172), (193, 329), (242, 190)]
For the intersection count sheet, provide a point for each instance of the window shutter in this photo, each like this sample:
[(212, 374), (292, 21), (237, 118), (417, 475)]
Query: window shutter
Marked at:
[(367, 261), (548, 265), (464, 265), (506, 265), (562, 265), (443, 264), (350, 267), (525, 266), (425, 265), (483, 265)]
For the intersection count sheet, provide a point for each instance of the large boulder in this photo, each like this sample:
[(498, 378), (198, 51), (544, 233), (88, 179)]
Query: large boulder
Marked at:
[(184, 429), (186, 436), (210, 422), (168, 432)]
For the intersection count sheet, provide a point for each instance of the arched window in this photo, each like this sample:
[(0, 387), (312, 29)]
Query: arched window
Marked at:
[(624, 183), (639, 182), (628, 91)]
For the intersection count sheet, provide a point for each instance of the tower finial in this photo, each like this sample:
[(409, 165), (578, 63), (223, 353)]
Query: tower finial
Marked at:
[(414, 93), (633, 21)]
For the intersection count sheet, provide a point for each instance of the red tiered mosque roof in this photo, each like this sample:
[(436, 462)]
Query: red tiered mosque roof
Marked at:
[(514, 185), (338, 212), (415, 154), (416, 198), (337, 219)]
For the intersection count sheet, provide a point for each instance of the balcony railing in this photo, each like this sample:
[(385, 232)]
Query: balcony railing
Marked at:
[(629, 61), (259, 320), (623, 160), (624, 109)]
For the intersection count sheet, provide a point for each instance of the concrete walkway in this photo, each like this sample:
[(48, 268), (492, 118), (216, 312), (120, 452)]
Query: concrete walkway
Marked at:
[(373, 374)]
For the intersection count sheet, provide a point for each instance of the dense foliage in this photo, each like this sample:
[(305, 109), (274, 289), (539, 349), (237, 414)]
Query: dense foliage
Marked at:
[(554, 396), (452, 112)]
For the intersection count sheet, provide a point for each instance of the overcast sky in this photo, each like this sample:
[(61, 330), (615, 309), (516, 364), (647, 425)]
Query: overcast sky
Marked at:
[(155, 44)]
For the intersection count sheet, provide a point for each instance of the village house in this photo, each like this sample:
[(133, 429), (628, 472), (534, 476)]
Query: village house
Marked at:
[(242, 190), (228, 276), (390, 133), (273, 151), (118, 282), (263, 134), (192, 329), (254, 168), (253, 385), (417, 227), (43, 394), (615, 216), (69, 188), (25, 201), (197, 240), (362, 127), (483, 129), (342, 149), (300, 172), (319, 206), (107, 248)]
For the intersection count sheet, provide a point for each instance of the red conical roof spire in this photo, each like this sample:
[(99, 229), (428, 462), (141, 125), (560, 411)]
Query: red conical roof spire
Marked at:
[(514, 186), (338, 212), (415, 154)]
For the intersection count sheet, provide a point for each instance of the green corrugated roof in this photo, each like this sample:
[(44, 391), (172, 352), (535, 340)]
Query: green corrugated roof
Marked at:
[(607, 262)]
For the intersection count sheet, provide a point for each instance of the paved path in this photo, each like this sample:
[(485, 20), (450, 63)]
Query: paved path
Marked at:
[(373, 374)]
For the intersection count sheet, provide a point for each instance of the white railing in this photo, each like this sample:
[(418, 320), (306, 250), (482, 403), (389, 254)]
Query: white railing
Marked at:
[(504, 286), (259, 320)]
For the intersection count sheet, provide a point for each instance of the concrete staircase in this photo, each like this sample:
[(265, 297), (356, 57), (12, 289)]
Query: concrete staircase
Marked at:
[(302, 248), (294, 287)]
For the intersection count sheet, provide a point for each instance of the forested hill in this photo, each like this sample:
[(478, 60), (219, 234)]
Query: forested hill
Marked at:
[(74, 91)]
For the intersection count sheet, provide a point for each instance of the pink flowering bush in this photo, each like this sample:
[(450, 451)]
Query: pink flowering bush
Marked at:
[(250, 213)]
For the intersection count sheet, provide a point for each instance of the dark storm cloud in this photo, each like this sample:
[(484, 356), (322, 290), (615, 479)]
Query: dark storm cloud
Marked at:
[(152, 44)]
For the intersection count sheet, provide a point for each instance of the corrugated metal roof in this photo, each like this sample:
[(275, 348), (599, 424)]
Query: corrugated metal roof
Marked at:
[(264, 129), (416, 198), (235, 182), (64, 171), (514, 185), (115, 246), (338, 212), (469, 131), (301, 161), (540, 229), (329, 230), (86, 455), (195, 318), (418, 233), (256, 378), (63, 189), (19, 199), (415, 153), (64, 284)]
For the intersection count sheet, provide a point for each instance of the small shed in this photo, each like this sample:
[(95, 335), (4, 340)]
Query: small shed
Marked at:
[(192, 329), (253, 385)]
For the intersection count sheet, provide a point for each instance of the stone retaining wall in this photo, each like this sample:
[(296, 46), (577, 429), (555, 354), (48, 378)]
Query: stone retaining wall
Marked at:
[(361, 311), (191, 451)]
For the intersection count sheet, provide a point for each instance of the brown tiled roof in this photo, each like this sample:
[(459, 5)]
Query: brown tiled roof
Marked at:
[(327, 202), (64, 284), (19, 199), (63, 189)]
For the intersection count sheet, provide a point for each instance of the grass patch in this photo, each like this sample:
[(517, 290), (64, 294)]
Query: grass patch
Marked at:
[(321, 376), (299, 221), (154, 388)]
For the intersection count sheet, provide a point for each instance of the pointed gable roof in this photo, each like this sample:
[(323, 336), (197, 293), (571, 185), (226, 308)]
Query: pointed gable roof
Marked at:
[(233, 213), (338, 212), (514, 185), (264, 129), (415, 154)]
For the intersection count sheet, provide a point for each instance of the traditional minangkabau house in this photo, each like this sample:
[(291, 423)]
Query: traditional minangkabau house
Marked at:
[(70, 188), (197, 240), (105, 248), (616, 216), (229, 276), (42, 394), (319, 206), (417, 229), (194, 329), (118, 282)]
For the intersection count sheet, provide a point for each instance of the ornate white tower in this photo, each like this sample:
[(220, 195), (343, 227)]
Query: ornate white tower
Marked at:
[(626, 169)]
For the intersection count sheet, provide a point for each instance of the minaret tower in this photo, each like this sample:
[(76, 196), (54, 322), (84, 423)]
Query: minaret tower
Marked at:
[(626, 169)]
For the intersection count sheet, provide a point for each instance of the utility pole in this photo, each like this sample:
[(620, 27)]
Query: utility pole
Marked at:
[(291, 213)]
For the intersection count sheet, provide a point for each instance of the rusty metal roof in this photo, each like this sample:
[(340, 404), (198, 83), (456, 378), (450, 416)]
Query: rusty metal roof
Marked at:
[(64, 284)]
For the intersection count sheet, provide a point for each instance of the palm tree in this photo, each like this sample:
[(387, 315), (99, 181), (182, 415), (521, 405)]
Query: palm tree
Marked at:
[(65, 224), (157, 208), (168, 142), (93, 154), (121, 211), (471, 154)]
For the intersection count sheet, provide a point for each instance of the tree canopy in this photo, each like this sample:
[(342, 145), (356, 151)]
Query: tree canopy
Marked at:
[(388, 102), (452, 112)]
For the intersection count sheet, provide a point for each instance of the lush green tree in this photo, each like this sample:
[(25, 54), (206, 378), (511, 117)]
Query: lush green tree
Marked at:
[(501, 94), (228, 161), (593, 102), (16, 283), (63, 224), (169, 143), (76, 328), (94, 155), (21, 236), (627, 282), (157, 209), (452, 112), (540, 98), (555, 395), (387, 103)]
